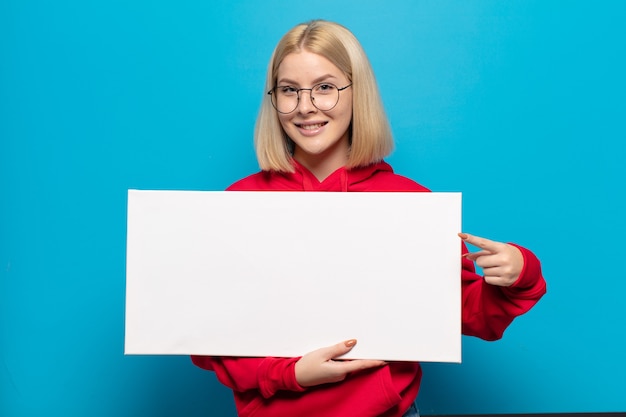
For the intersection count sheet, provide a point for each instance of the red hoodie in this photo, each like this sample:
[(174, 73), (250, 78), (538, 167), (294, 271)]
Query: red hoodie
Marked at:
[(268, 387)]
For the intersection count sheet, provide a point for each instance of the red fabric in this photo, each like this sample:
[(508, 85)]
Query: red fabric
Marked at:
[(268, 387)]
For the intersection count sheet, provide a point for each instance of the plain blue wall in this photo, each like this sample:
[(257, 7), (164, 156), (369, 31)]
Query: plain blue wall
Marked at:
[(518, 104)]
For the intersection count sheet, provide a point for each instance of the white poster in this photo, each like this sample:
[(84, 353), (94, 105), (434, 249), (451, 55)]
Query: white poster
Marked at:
[(284, 273)]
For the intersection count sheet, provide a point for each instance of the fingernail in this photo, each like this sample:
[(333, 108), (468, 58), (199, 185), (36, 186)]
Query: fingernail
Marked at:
[(350, 343), (463, 236)]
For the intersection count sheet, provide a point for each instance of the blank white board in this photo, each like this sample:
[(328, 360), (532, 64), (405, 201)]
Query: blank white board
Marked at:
[(283, 273)]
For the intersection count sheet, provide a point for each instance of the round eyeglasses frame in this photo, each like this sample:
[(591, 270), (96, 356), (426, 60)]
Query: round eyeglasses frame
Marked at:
[(272, 94)]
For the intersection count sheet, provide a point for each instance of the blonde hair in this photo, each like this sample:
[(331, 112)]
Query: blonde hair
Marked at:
[(370, 133)]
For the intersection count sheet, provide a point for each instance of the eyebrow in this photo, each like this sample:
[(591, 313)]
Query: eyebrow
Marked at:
[(315, 81)]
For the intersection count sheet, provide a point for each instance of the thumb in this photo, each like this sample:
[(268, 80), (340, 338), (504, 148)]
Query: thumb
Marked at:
[(341, 348), (349, 344)]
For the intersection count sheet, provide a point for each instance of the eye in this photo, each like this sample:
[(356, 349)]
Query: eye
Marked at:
[(325, 88), (287, 90)]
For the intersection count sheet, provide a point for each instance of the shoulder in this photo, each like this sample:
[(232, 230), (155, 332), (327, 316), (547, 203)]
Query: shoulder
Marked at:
[(401, 183), (254, 182), (387, 180), (266, 181)]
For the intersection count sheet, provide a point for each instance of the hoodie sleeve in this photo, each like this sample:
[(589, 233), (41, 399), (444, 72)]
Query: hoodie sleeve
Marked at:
[(266, 375), (489, 309)]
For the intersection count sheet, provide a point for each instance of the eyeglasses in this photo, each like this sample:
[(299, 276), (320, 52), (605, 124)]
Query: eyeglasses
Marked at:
[(324, 96)]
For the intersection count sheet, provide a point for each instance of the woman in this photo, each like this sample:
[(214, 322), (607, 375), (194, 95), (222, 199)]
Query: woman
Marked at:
[(323, 128)]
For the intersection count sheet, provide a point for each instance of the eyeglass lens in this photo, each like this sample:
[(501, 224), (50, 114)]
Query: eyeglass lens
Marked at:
[(324, 96)]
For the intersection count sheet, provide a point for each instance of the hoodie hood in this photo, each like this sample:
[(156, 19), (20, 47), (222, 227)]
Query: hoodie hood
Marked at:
[(302, 179), (376, 177), (341, 180)]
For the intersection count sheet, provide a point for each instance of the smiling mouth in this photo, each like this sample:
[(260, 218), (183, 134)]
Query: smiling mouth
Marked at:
[(311, 126)]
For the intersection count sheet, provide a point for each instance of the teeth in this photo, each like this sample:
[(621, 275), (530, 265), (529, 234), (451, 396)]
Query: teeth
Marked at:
[(312, 127)]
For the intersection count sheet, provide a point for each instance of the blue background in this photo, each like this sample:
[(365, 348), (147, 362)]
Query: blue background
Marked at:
[(518, 104)]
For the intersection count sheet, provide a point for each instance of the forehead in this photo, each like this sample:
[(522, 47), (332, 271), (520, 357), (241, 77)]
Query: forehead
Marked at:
[(305, 67)]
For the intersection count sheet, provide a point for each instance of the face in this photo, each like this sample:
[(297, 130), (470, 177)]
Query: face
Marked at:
[(320, 137)]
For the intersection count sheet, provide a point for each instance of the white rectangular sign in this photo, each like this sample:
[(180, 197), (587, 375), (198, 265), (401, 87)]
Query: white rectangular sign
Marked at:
[(283, 273)]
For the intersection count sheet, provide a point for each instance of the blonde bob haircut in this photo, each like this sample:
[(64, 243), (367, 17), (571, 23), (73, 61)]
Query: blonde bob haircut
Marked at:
[(370, 133)]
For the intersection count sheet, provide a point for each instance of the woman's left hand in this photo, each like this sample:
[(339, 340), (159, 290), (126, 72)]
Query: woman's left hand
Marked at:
[(502, 263)]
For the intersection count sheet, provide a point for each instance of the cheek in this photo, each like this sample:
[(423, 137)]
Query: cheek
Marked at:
[(284, 122), (344, 107), (344, 115)]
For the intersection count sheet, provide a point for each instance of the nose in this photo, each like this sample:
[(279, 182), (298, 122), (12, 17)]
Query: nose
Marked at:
[(305, 104)]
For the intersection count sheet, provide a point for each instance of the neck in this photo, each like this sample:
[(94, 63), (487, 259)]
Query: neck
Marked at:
[(321, 170), (321, 166), (325, 163)]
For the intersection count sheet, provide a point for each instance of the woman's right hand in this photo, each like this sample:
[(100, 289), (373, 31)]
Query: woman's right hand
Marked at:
[(319, 367)]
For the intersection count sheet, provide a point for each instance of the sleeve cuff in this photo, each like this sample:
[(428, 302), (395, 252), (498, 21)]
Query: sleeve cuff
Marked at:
[(530, 281), (278, 374)]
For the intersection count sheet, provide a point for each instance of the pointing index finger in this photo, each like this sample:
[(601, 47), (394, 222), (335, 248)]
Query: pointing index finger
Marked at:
[(480, 242)]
